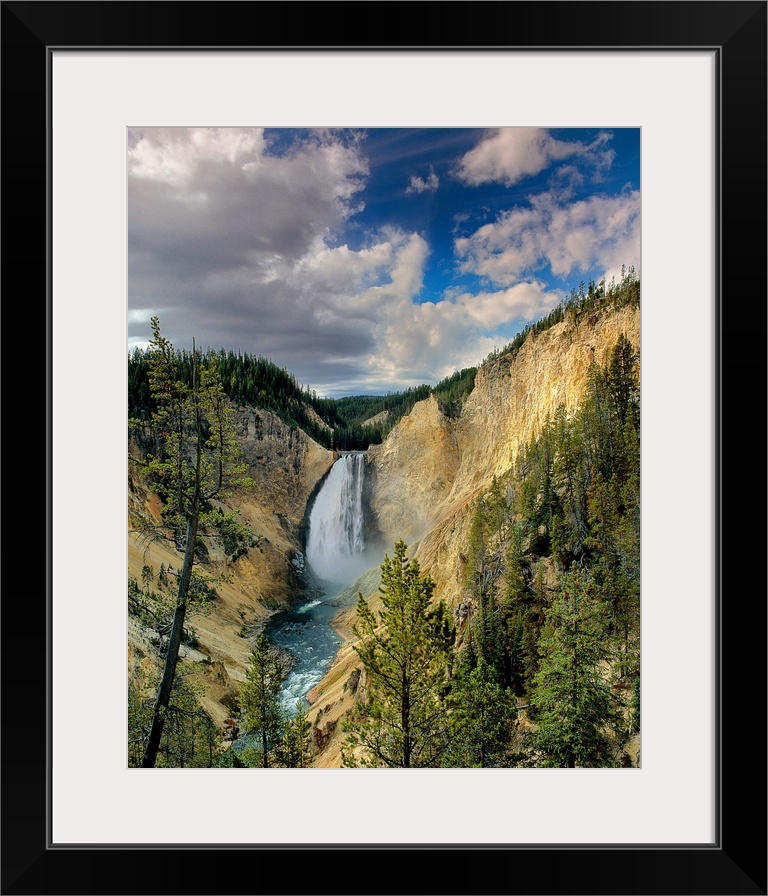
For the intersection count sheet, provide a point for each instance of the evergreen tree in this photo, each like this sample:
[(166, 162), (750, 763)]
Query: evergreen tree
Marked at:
[(498, 510), (571, 479), (614, 505), (528, 624), (198, 460), (516, 650), (479, 572), (574, 706), (615, 537), (516, 586), (190, 738), (489, 637), (481, 721), (622, 380), (230, 759), (260, 698), (294, 750), (405, 655)]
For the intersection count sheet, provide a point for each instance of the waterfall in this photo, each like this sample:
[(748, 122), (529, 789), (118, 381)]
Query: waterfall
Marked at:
[(335, 542)]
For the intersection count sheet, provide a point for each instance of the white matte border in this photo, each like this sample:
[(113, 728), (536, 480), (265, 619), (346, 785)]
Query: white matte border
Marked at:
[(96, 96)]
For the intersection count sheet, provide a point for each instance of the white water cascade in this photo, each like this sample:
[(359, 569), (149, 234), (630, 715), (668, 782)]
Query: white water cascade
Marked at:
[(335, 541)]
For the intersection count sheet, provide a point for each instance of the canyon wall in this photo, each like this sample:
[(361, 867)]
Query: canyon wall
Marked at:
[(421, 484), (286, 466), (425, 477), (430, 469)]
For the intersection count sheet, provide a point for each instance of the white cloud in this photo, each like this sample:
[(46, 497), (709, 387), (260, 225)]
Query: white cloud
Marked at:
[(244, 247), (238, 245), (431, 340), (220, 192), (509, 155), (348, 288), (421, 185), (600, 231), (174, 155), (140, 315)]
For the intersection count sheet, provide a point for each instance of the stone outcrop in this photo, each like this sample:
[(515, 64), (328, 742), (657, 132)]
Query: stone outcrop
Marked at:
[(285, 464), (380, 419), (411, 473)]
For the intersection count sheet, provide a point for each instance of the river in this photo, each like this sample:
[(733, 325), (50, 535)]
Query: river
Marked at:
[(336, 556)]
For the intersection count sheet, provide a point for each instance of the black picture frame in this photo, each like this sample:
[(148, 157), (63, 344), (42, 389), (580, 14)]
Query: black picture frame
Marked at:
[(736, 862)]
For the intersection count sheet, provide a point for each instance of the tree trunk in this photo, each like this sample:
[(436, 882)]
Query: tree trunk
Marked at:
[(405, 721), (172, 656)]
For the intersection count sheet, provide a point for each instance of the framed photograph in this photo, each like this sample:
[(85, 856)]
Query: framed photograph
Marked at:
[(81, 83)]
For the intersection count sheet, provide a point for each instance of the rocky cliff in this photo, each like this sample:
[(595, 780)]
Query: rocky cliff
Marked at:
[(286, 466), (511, 401), (430, 466), (411, 474), (426, 476)]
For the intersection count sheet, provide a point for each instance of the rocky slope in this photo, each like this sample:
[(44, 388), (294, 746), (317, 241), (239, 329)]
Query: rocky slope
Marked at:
[(411, 474), (511, 402), (425, 477), (430, 466), (286, 466)]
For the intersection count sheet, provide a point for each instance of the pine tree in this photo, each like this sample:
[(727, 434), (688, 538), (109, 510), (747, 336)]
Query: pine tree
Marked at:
[(574, 706), (260, 704), (516, 587), (614, 504), (515, 609), (190, 738), (615, 538), (571, 479), (481, 722), (405, 655), (197, 460), (488, 631), (622, 380), (294, 750), (478, 571)]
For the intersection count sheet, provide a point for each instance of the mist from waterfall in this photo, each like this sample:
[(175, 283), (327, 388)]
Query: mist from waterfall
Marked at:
[(336, 548)]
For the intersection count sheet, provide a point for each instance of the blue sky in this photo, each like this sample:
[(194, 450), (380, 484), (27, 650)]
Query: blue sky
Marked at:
[(366, 261)]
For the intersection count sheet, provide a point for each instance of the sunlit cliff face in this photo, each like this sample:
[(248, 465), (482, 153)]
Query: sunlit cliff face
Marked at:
[(430, 467)]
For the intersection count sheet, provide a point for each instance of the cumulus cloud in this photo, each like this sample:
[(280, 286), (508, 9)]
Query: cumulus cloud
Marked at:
[(421, 185), (240, 248), (509, 155), (175, 155), (219, 225), (431, 340), (599, 231), (240, 238)]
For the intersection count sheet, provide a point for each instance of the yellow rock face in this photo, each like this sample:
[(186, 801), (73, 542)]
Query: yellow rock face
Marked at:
[(286, 466), (427, 474)]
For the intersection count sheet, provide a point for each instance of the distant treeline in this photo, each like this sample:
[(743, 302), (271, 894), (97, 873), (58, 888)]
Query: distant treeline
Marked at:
[(247, 380), (356, 409), (333, 423), (584, 300), (339, 423)]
